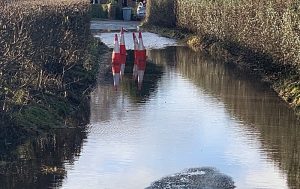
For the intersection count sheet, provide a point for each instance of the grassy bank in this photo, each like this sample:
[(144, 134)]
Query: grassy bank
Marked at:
[(266, 40), (48, 66)]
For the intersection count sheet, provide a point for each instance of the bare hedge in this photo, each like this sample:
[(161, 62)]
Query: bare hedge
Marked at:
[(271, 27), (161, 13), (41, 43)]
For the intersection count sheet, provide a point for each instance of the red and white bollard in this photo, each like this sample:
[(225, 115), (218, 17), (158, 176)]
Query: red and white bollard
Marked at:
[(116, 62), (141, 61), (122, 52), (136, 47)]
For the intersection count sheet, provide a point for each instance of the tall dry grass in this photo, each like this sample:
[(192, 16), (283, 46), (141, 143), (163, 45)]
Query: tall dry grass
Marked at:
[(161, 13), (270, 27), (41, 44)]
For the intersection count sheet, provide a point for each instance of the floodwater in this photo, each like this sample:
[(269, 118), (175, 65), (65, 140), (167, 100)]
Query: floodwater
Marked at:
[(195, 112), (192, 112)]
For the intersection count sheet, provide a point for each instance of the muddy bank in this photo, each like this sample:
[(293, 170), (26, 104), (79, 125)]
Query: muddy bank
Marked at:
[(284, 79)]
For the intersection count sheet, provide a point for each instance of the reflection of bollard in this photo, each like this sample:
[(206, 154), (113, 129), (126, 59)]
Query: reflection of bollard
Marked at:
[(140, 74), (116, 62), (122, 52), (141, 60), (135, 42)]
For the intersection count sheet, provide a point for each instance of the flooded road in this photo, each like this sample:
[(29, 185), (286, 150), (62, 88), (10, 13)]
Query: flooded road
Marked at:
[(192, 113), (196, 112)]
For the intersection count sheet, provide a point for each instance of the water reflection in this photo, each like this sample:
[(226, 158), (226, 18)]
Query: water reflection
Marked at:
[(39, 162), (263, 114), (191, 112), (142, 93), (111, 102), (196, 113)]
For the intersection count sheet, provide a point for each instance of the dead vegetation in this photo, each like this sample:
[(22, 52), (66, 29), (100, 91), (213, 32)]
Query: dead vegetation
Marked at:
[(266, 33), (47, 64), (43, 41)]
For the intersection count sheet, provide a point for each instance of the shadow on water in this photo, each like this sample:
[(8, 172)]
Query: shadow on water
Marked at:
[(39, 162), (152, 75), (263, 115)]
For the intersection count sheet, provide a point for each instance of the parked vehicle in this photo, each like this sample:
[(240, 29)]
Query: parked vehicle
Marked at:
[(141, 11)]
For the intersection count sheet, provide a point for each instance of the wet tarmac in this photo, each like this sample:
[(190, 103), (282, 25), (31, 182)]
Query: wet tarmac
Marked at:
[(195, 178), (113, 25), (105, 30), (151, 40)]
